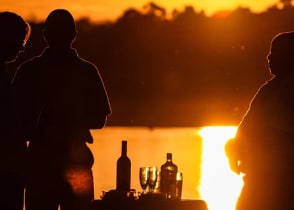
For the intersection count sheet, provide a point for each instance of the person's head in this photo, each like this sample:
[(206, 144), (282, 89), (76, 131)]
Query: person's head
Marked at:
[(60, 29), (281, 55), (13, 35)]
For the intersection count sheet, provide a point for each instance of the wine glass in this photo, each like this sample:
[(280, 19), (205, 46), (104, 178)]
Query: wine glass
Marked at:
[(152, 178), (143, 175)]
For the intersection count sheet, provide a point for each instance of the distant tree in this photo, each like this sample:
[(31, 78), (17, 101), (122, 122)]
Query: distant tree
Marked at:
[(286, 3), (155, 9), (131, 14), (188, 15)]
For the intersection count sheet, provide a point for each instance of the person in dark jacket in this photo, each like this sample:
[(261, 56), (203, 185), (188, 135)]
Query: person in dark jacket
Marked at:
[(263, 147), (60, 97), (15, 31)]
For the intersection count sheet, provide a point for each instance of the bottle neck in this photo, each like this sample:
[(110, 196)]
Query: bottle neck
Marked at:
[(124, 148), (169, 157)]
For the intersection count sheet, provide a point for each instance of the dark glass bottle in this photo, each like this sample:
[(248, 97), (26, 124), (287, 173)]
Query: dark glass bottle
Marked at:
[(168, 176), (123, 169)]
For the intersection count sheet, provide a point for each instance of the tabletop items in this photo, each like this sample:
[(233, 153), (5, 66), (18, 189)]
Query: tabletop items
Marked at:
[(123, 169), (148, 202), (148, 177), (170, 179), (164, 183), (161, 189)]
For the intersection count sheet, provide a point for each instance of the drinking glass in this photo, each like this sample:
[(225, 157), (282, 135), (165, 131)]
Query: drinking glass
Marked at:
[(179, 185), (143, 175), (152, 178)]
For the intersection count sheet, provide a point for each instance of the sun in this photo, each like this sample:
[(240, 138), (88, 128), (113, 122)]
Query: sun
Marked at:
[(220, 187)]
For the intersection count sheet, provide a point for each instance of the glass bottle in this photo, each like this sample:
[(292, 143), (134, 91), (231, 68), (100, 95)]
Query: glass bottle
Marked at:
[(123, 169), (168, 176)]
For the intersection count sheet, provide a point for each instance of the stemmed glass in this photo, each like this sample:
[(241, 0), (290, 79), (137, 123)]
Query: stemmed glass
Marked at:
[(143, 175), (152, 178)]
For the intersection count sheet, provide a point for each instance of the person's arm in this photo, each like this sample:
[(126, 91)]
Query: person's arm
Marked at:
[(100, 106)]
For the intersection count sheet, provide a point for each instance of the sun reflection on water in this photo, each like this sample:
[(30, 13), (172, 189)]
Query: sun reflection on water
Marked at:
[(220, 187)]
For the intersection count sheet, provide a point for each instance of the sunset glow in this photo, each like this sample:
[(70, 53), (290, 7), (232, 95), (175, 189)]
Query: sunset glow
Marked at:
[(220, 187), (198, 153), (110, 9)]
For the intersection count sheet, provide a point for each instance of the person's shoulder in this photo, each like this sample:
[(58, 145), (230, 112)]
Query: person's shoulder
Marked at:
[(87, 64), (28, 64), (268, 86), (28, 69), (87, 68)]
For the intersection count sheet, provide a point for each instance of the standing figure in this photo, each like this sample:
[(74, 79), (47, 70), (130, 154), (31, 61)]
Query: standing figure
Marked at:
[(263, 147), (13, 36), (60, 97)]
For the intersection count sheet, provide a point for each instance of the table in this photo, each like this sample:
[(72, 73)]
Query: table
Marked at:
[(148, 203)]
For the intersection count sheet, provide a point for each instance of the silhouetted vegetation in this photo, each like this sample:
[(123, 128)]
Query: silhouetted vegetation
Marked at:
[(188, 70)]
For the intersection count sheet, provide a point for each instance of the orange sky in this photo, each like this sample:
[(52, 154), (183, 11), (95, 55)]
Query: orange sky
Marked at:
[(100, 10)]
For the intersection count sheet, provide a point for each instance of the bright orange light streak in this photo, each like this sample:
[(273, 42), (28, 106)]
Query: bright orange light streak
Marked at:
[(220, 187)]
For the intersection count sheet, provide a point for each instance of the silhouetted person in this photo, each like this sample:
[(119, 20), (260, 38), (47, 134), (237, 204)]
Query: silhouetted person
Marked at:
[(13, 36), (60, 97), (263, 149)]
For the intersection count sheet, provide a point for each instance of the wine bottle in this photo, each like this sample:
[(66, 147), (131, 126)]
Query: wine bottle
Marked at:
[(168, 176), (123, 169)]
